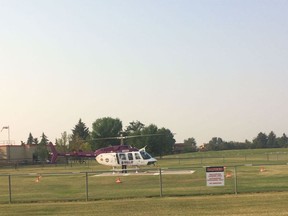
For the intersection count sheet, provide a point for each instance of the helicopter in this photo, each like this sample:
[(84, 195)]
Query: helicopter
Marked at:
[(124, 155), (114, 156)]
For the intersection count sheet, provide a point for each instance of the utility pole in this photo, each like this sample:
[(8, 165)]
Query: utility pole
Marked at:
[(8, 128)]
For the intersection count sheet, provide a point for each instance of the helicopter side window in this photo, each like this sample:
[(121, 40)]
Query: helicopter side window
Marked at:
[(130, 156), (137, 156), (145, 155), (122, 156)]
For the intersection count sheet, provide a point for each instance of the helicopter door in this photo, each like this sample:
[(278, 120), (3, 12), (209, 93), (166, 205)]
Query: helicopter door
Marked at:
[(125, 158), (122, 158), (138, 160), (130, 157), (137, 156)]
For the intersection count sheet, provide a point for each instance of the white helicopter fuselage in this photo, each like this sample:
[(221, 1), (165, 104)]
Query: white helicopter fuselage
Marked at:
[(134, 158)]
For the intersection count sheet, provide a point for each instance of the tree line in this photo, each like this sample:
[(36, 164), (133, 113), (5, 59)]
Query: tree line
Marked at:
[(158, 141), (260, 141)]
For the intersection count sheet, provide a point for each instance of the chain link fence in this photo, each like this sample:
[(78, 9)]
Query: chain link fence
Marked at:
[(183, 181)]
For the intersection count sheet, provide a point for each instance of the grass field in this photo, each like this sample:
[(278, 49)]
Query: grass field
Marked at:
[(71, 186), (264, 204), (62, 189)]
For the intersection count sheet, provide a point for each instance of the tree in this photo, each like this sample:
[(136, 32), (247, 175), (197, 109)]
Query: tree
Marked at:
[(214, 144), (62, 143), (80, 137), (272, 140), (152, 143), (41, 149), (157, 141), (167, 141), (78, 144), (134, 127), (30, 139), (190, 145), (80, 130), (35, 141), (106, 127), (44, 140), (260, 141), (283, 141)]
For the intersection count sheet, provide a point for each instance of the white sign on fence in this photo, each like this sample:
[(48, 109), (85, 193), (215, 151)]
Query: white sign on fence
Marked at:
[(215, 176)]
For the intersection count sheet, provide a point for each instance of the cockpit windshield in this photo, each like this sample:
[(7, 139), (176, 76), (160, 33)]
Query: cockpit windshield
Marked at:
[(145, 155)]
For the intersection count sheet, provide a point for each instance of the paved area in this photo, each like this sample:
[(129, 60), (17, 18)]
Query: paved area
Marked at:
[(163, 172)]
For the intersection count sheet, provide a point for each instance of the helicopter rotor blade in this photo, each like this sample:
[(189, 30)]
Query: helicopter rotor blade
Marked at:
[(127, 137), (143, 135)]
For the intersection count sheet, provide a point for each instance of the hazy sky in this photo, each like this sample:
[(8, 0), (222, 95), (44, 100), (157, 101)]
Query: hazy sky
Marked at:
[(201, 68)]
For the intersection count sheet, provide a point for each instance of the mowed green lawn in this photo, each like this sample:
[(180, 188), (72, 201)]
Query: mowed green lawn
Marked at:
[(264, 204)]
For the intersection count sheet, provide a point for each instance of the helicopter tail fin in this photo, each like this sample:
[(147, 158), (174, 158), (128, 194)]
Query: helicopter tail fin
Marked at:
[(54, 152), (143, 149)]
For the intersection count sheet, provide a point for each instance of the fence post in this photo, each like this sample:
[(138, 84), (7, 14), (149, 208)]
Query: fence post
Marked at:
[(235, 180), (86, 174), (10, 192), (160, 181)]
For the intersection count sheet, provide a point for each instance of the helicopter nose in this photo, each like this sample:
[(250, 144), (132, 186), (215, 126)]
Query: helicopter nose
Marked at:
[(152, 161)]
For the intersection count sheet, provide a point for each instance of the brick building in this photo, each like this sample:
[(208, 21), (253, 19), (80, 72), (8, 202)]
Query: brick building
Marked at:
[(17, 153)]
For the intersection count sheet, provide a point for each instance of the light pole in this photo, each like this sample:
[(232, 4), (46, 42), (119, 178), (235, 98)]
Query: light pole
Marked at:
[(7, 127)]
